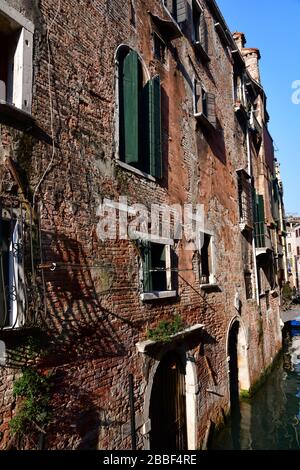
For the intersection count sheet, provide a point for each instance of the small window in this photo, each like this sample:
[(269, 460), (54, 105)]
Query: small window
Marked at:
[(132, 13), (204, 105), (206, 274), (298, 251), (200, 32), (159, 49), (15, 61), (289, 248), (248, 285), (157, 267)]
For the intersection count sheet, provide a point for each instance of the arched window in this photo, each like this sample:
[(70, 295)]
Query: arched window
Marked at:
[(139, 116)]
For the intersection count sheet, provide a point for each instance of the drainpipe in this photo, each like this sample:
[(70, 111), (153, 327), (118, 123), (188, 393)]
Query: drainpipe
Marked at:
[(253, 241), (132, 412)]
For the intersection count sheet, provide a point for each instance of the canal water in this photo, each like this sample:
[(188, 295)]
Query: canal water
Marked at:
[(271, 420)]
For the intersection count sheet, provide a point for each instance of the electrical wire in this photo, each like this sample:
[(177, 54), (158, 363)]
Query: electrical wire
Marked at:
[(50, 104)]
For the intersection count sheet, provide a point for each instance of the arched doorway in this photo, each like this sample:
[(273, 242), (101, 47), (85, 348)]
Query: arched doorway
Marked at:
[(168, 405), (237, 349)]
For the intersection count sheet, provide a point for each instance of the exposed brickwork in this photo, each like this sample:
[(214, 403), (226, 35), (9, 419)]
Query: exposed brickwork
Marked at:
[(94, 313)]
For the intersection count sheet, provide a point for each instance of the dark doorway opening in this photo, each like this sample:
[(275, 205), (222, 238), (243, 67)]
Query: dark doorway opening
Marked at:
[(168, 406), (234, 385)]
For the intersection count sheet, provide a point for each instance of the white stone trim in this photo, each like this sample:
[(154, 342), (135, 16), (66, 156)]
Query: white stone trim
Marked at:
[(158, 295), (15, 15)]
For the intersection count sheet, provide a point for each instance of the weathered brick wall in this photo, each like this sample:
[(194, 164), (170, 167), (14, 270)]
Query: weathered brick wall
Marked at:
[(94, 313)]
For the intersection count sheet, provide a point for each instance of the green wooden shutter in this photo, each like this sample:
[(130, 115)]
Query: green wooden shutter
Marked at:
[(155, 147), (131, 108), (147, 266), (261, 221)]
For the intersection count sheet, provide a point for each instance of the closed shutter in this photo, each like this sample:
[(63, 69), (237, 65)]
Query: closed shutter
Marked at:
[(129, 118), (181, 11), (155, 147), (261, 220), (203, 32), (147, 266), (211, 109), (198, 97)]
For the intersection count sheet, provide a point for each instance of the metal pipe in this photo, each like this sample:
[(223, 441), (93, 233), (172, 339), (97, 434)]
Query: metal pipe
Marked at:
[(132, 412)]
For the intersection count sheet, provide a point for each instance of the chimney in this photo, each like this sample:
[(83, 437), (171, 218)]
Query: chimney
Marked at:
[(252, 57), (240, 40)]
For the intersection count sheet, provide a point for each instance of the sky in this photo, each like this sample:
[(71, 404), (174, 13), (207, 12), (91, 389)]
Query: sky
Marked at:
[(273, 27)]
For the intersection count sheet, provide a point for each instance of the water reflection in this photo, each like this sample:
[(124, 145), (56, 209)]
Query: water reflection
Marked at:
[(271, 420)]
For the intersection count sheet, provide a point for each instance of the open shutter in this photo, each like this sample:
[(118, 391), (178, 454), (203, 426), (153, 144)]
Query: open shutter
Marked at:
[(203, 32), (181, 11), (169, 5), (211, 109), (130, 109), (155, 147), (198, 97), (147, 266)]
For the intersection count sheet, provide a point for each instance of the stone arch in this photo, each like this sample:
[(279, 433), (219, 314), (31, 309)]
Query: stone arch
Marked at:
[(242, 352), (191, 385)]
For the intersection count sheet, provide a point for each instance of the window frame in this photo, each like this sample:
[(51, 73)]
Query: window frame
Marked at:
[(20, 83), (163, 294), (200, 115), (212, 257)]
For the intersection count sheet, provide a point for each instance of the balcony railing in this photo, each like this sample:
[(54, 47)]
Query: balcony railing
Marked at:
[(19, 251), (262, 238)]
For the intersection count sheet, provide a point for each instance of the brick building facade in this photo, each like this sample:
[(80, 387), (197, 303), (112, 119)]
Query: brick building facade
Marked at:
[(157, 102)]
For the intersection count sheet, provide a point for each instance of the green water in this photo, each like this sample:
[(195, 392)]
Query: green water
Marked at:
[(271, 420)]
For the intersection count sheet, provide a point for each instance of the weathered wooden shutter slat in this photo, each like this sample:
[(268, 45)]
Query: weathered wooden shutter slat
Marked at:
[(211, 109), (131, 108), (147, 266), (181, 11), (203, 32), (198, 97), (155, 147)]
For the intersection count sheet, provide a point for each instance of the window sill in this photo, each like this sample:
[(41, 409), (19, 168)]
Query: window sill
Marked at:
[(145, 347), (130, 168), (15, 116), (172, 294), (199, 49), (203, 121), (210, 287)]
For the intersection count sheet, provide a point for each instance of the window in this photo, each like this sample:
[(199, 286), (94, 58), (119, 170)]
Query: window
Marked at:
[(139, 117), (206, 260), (178, 9), (248, 285), (204, 105), (238, 89), (298, 251), (16, 37), (245, 199), (289, 248), (12, 298), (159, 48), (158, 262), (200, 33)]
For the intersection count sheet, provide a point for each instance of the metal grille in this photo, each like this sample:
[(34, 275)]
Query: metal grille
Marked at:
[(245, 201), (19, 251)]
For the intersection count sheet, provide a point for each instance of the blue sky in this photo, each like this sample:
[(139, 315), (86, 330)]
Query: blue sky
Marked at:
[(273, 27)]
